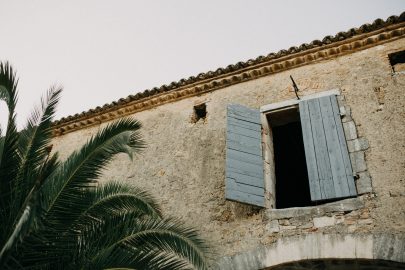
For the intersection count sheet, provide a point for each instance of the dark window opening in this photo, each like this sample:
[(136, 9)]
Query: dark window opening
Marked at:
[(200, 112), (292, 185), (340, 264), (397, 61)]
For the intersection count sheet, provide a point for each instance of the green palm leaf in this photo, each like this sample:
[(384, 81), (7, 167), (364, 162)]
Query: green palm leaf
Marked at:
[(115, 199), (34, 142), (9, 156), (55, 215), (62, 193), (146, 243)]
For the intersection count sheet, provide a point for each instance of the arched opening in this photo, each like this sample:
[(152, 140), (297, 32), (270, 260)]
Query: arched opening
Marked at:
[(339, 264), (323, 251)]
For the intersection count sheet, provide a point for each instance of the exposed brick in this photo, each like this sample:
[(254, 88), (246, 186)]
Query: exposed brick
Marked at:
[(365, 221), (350, 221)]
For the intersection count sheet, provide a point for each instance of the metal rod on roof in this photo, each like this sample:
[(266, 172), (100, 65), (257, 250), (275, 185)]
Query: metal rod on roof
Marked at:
[(295, 87)]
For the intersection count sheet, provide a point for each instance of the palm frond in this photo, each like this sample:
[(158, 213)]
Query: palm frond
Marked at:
[(147, 242), (8, 86), (36, 136), (21, 225), (55, 215), (34, 146), (64, 190), (114, 199), (9, 156), (32, 153)]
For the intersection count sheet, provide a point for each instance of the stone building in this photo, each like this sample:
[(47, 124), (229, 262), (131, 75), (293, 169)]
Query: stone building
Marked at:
[(274, 178)]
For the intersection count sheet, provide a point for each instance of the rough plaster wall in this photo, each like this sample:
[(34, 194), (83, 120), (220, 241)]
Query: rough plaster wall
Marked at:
[(183, 166)]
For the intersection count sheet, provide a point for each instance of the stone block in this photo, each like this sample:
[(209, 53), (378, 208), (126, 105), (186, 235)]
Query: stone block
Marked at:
[(365, 221), (357, 145), (363, 183), (304, 212), (389, 247), (289, 212), (350, 130), (365, 215), (340, 219), (284, 222), (345, 113), (288, 227), (350, 221), (358, 161), (306, 225), (348, 111), (346, 118), (300, 220), (352, 228), (320, 222), (273, 227), (344, 205), (342, 110)]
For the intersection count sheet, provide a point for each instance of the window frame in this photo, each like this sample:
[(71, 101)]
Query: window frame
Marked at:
[(267, 144)]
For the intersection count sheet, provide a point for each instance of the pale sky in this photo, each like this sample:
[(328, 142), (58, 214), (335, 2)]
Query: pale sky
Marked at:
[(101, 50)]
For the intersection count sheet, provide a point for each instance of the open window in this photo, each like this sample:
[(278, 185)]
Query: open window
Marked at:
[(311, 159), (290, 169)]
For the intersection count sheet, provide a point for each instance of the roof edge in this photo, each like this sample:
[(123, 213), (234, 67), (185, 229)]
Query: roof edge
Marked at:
[(355, 39)]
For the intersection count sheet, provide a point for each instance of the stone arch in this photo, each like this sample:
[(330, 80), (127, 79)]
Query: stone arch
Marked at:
[(316, 246)]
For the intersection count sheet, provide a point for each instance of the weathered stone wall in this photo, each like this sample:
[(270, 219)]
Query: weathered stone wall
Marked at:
[(184, 164)]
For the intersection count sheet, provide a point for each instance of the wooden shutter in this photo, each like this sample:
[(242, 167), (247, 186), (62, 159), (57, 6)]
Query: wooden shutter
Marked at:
[(329, 169), (244, 162)]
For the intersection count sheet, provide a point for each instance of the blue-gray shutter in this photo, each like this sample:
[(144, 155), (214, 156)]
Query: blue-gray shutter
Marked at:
[(244, 162), (329, 168)]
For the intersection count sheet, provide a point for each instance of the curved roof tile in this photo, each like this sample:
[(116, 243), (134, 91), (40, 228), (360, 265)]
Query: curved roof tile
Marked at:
[(365, 28)]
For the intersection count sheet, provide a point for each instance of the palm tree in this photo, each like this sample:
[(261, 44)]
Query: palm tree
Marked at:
[(55, 215)]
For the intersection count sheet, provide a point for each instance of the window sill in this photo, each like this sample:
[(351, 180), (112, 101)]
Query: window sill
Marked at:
[(345, 205)]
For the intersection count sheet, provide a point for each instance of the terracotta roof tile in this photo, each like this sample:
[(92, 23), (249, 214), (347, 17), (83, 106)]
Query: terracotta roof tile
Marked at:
[(365, 28)]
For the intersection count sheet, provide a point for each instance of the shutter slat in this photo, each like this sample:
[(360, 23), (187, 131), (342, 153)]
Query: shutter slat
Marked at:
[(243, 197), (335, 155), (321, 150), (245, 179), (245, 167), (233, 184), (247, 146), (246, 157), (244, 162), (310, 156), (245, 132), (343, 148), (243, 113), (244, 124)]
